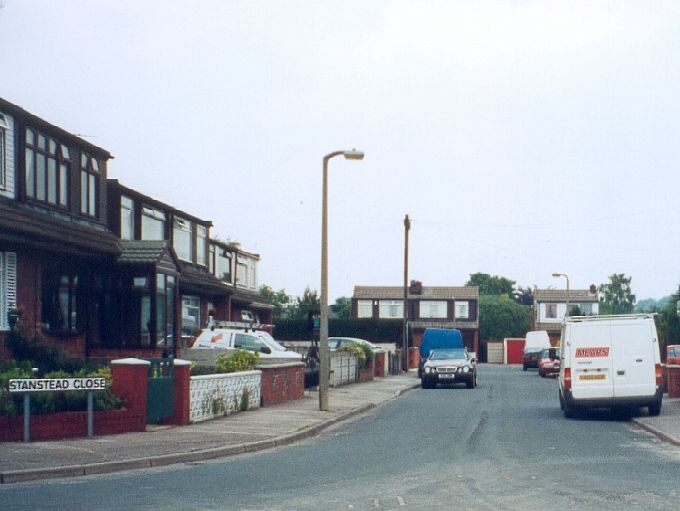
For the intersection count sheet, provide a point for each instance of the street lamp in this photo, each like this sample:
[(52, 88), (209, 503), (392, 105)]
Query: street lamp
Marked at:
[(324, 354), (566, 277)]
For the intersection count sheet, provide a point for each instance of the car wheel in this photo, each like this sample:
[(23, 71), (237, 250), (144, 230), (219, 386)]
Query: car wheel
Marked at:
[(524, 366), (655, 409), (471, 384), (541, 373)]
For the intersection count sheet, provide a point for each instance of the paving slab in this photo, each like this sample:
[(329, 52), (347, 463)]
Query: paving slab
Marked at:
[(259, 429)]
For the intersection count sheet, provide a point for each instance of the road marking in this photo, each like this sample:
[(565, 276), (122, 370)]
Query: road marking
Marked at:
[(401, 501)]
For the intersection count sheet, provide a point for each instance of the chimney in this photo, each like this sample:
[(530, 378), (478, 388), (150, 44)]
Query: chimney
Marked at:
[(416, 287)]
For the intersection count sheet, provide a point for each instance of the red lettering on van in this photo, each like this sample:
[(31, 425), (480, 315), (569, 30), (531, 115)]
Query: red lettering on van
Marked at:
[(216, 338), (592, 352)]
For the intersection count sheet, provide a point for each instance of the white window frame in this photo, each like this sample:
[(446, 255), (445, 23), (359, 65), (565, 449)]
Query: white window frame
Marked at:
[(461, 309), (8, 286), (201, 244), (130, 221), (193, 304), (364, 308), (155, 215), (182, 225), (390, 309), (432, 309), (3, 151)]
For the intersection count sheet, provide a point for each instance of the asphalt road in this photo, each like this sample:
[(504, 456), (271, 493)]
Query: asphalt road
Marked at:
[(503, 445)]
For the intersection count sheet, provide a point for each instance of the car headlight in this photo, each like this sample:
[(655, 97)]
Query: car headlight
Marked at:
[(429, 369), (466, 369)]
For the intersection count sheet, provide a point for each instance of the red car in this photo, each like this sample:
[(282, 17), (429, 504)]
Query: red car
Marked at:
[(673, 354), (549, 362)]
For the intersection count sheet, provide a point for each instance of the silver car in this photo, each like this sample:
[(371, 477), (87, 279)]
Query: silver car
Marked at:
[(449, 366)]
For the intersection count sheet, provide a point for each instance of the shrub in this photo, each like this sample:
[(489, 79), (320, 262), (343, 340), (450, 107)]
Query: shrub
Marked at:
[(358, 351), (44, 357), (239, 360), (8, 371), (50, 402)]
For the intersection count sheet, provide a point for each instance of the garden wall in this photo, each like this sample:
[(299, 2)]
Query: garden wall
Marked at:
[(217, 395)]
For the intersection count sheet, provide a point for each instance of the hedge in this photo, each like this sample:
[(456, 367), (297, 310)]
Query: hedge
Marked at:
[(373, 330)]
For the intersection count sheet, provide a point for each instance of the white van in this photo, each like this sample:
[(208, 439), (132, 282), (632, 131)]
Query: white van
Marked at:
[(534, 344), (610, 361), (230, 339)]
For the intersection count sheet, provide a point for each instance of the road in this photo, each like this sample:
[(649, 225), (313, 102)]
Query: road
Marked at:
[(502, 446)]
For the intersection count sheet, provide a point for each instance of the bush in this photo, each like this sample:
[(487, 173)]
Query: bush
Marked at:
[(239, 360), (10, 370), (358, 351), (44, 357), (50, 402)]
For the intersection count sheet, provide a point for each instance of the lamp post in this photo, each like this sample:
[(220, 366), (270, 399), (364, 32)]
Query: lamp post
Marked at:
[(324, 354), (557, 275)]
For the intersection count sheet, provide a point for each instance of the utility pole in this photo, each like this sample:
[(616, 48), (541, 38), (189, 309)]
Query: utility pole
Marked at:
[(407, 228)]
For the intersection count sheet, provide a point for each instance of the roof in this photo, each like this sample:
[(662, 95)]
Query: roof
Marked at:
[(114, 183), (42, 124), (560, 295), (54, 231), (429, 293), (142, 252)]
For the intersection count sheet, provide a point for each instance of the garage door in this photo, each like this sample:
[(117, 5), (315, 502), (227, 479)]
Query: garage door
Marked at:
[(494, 352), (514, 350)]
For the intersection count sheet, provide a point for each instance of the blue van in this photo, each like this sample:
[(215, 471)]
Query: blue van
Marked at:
[(436, 338)]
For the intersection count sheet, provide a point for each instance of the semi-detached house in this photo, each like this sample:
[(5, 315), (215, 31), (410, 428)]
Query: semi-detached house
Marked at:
[(97, 269)]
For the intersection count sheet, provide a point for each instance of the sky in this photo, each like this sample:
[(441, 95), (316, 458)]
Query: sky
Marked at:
[(522, 138)]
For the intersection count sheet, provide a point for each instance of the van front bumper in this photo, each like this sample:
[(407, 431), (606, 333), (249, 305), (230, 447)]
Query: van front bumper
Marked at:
[(613, 402)]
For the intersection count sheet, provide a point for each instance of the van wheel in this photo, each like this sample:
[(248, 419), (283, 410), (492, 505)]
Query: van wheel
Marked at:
[(561, 401), (655, 409), (568, 410)]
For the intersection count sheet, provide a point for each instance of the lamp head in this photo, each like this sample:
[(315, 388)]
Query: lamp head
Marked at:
[(556, 274), (353, 155)]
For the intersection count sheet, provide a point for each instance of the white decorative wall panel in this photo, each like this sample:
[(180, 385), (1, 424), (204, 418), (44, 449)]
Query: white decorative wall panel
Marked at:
[(216, 395)]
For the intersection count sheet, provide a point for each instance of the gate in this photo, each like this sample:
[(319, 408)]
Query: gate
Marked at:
[(160, 401)]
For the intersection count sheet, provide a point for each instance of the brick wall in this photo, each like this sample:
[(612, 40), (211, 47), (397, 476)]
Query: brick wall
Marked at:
[(284, 382)]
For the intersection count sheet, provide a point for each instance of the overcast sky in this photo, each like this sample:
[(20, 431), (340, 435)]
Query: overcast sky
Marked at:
[(522, 138)]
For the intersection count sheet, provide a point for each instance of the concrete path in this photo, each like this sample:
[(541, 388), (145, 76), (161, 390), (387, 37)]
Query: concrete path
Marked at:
[(164, 445)]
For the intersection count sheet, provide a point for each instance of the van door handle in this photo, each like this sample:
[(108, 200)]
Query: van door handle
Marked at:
[(620, 373), (638, 360)]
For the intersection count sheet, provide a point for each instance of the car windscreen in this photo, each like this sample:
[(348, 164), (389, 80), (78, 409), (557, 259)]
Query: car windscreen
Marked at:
[(248, 342), (448, 354)]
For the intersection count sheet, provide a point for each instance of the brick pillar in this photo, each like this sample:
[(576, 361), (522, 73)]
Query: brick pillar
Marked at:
[(182, 393), (414, 358), (130, 382), (673, 372), (379, 361)]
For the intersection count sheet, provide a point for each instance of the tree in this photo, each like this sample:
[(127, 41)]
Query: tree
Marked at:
[(501, 316), (667, 322), (491, 284), (279, 299), (523, 296), (342, 308), (616, 297), (308, 302)]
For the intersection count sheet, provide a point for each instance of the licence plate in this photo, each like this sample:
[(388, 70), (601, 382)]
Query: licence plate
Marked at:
[(600, 376), (447, 376)]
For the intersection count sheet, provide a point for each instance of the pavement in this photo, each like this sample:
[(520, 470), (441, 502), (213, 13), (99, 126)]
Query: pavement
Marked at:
[(263, 428), (238, 433)]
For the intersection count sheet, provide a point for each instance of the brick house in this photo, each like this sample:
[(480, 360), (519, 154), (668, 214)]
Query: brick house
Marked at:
[(550, 307), (427, 306), (96, 269)]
